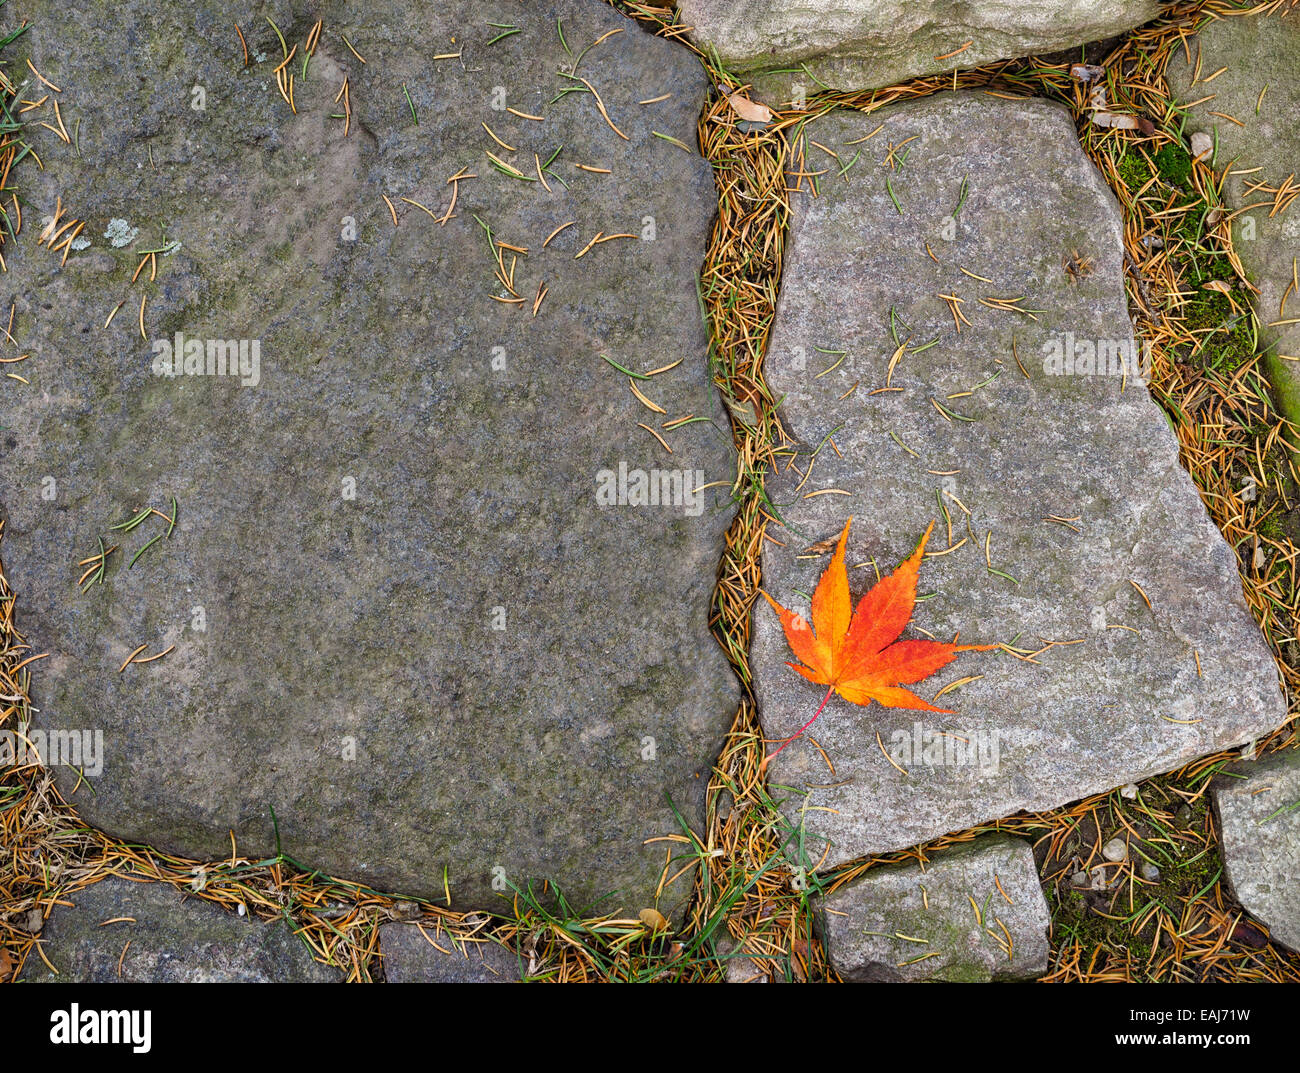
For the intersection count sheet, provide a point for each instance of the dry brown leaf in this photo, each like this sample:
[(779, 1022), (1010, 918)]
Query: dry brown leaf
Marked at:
[(750, 110), (653, 919)]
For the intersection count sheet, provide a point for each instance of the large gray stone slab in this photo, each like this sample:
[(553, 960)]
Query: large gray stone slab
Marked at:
[(787, 45), (405, 618), (1224, 70), (1259, 836), (422, 955), (1119, 697), (973, 914), (118, 931)]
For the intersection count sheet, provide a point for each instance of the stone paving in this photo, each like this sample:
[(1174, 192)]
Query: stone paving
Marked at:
[(367, 479)]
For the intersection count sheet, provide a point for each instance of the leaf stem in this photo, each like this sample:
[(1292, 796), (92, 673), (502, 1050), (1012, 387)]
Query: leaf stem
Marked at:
[(799, 732)]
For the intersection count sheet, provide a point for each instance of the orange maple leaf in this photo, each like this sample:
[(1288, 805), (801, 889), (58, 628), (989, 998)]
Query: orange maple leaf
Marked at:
[(858, 655)]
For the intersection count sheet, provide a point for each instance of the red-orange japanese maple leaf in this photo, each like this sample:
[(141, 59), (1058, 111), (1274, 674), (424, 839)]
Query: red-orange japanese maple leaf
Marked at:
[(859, 656)]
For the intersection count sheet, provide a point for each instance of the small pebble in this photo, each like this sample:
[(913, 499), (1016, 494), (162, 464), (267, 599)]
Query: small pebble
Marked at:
[(1115, 850), (1079, 879), (1202, 144), (1129, 792), (725, 801), (1150, 871), (1183, 816)]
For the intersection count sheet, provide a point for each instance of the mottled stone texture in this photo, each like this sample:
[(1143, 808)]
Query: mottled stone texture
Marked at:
[(424, 956), (882, 927), (865, 44), (1259, 836), (1064, 485), (403, 619), (159, 936), (1261, 147)]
